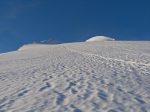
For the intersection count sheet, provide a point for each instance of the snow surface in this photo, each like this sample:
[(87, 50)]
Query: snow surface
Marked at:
[(111, 76), (100, 38)]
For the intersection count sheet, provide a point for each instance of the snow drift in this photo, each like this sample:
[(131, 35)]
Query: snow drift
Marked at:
[(100, 38)]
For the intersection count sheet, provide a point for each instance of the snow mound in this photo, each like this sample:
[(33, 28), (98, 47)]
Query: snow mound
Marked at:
[(38, 44), (100, 38), (31, 47)]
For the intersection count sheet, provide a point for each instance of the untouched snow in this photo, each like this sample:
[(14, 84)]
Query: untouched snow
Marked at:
[(100, 38), (78, 77)]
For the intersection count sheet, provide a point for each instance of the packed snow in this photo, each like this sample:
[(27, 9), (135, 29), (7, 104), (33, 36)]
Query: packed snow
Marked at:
[(100, 38), (109, 76)]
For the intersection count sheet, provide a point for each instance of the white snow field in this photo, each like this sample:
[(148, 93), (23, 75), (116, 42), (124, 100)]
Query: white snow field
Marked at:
[(110, 76)]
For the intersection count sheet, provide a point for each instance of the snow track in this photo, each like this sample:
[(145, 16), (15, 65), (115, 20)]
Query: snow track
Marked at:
[(76, 77), (113, 59)]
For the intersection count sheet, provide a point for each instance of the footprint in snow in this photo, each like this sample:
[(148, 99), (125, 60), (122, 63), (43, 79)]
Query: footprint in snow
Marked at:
[(6, 105), (112, 110), (87, 94), (60, 98), (75, 108), (139, 99), (3, 100), (22, 92), (71, 84), (102, 95), (73, 91), (47, 85)]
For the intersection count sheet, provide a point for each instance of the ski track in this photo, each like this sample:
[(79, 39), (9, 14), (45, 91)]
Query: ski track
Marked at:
[(77, 77)]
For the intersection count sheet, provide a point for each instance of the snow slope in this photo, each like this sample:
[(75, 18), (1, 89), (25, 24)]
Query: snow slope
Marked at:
[(110, 76)]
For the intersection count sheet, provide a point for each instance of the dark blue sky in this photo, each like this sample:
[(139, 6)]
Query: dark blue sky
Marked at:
[(25, 21)]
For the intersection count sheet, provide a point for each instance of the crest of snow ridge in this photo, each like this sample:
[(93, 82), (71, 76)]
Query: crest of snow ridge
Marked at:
[(37, 45), (100, 38)]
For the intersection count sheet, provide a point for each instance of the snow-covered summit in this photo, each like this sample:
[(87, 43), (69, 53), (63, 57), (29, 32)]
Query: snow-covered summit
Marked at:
[(100, 38)]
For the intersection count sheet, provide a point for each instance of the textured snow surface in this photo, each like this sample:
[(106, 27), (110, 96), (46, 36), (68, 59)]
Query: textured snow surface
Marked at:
[(99, 38), (108, 76)]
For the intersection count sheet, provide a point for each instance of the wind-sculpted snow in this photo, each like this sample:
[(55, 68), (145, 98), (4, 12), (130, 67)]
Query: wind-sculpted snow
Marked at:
[(79, 77)]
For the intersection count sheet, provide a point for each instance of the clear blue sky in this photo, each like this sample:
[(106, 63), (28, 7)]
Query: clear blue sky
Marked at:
[(25, 21)]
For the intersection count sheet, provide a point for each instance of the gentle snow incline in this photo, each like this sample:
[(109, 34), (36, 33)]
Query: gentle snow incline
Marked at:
[(77, 77)]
